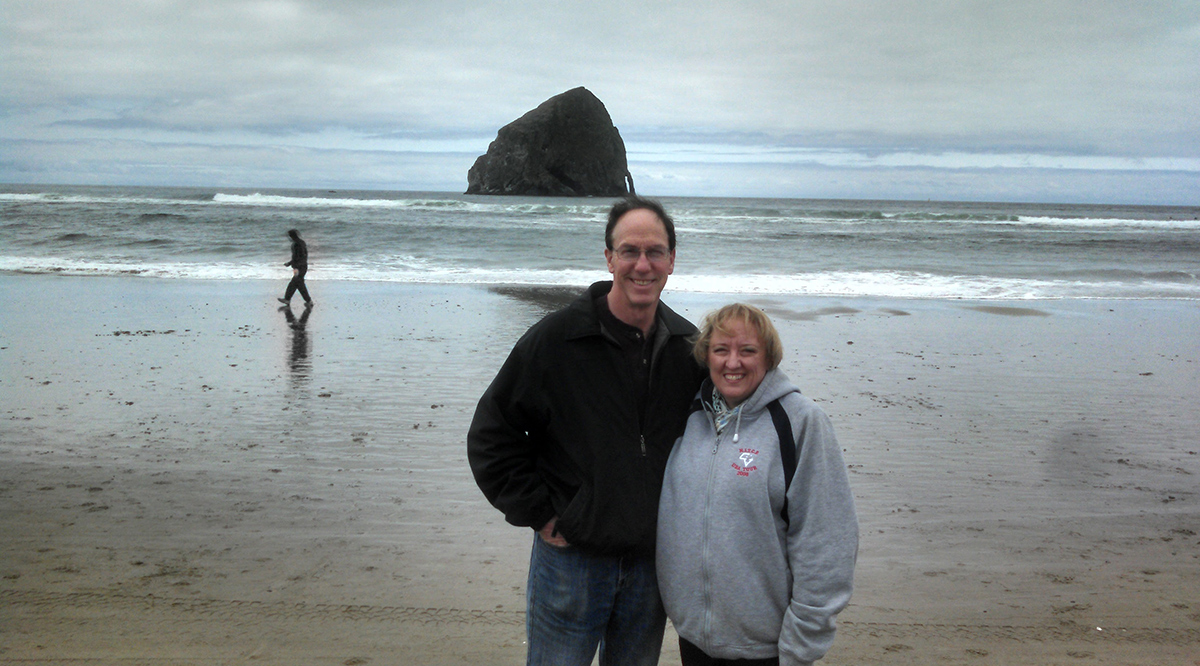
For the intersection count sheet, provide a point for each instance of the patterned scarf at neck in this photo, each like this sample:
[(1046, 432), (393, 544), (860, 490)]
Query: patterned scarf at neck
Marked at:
[(722, 413)]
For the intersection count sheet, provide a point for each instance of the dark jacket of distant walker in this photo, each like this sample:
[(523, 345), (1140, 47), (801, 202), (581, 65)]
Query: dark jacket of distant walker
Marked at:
[(737, 579), (558, 432), (299, 255)]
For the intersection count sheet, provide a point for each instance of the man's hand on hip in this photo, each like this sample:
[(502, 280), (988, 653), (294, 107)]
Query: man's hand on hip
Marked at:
[(552, 537)]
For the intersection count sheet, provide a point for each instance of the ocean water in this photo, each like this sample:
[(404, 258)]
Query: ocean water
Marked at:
[(899, 249)]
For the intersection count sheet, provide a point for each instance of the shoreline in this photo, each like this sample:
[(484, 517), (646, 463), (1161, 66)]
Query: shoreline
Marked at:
[(543, 290), (189, 476)]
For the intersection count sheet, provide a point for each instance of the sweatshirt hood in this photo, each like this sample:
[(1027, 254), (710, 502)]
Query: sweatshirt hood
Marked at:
[(775, 384)]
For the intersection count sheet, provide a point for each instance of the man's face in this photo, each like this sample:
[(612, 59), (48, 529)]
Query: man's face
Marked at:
[(640, 260)]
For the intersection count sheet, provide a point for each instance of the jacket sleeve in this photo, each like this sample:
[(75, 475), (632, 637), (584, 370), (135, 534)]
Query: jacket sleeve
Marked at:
[(822, 540), (501, 447)]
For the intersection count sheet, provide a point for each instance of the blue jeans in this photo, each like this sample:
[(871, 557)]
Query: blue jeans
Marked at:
[(578, 602)]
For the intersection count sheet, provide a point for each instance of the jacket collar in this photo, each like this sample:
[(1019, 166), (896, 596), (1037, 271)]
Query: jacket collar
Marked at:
[(583, 321)]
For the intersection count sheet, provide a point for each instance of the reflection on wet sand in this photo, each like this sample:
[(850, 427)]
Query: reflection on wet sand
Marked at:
[(299, 364), (546, 299)]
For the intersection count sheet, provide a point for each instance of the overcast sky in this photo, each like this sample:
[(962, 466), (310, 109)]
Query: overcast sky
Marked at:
[(1011, 100)]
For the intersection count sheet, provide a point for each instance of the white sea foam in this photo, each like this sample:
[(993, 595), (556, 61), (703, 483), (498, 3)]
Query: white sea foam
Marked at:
[(274, 200), (883, 284), (54, 198), (193, 271), (878, 284), (1085, 222), (897, 249), (504, 205), (688, 231)]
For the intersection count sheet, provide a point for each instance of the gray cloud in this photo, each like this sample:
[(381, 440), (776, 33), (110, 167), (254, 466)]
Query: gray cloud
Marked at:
[(1051, 78)]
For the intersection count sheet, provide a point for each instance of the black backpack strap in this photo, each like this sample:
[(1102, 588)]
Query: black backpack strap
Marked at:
[(787, 449)]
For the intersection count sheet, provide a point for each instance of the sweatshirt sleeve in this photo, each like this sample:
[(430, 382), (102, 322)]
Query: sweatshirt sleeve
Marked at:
[(501, 450), (822, 540)]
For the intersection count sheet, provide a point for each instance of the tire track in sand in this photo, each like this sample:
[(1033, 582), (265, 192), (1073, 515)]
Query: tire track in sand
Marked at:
[(1069, 632), (262, 609)]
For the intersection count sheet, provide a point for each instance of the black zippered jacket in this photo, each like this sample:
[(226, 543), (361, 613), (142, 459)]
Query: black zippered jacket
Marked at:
[(558, 432)]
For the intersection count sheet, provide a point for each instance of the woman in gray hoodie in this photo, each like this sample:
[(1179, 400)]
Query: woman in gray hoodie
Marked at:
[(753, 565)]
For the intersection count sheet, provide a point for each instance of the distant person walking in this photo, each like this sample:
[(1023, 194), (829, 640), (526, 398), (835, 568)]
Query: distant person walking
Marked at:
[(299, 264)]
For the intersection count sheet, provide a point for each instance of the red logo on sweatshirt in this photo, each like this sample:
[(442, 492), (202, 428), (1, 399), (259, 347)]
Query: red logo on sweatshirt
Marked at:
[(747, 457)]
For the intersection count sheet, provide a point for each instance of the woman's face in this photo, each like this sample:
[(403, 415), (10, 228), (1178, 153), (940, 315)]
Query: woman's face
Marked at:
[(736, 362)]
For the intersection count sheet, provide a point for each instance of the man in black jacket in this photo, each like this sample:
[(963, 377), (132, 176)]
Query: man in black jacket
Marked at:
[(299, 264), (572, 437)]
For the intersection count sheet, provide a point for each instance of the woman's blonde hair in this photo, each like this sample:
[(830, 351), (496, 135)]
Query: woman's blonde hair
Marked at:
[(719, 320)]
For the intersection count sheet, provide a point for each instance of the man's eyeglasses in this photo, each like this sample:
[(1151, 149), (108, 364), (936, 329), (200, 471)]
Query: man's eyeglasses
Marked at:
[(631, 254)]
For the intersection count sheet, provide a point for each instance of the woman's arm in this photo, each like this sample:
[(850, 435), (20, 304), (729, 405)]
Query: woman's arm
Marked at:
[(822, 539)]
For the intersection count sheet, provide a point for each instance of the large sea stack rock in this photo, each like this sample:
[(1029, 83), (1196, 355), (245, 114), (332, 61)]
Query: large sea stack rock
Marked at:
[(566, 147)]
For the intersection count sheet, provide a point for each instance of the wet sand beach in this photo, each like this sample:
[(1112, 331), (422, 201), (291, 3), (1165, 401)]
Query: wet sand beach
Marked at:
[(191, 475)]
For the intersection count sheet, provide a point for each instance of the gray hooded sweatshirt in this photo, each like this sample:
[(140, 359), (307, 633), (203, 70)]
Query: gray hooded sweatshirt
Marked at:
[(736, 580)]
